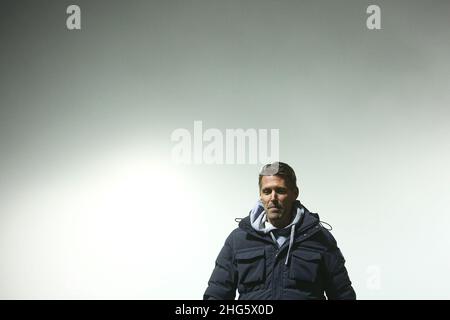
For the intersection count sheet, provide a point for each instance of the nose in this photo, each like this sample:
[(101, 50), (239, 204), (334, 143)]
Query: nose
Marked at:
[(273, 196)]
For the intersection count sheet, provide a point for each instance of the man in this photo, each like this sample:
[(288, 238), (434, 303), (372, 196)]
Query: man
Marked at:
[(280, 251)]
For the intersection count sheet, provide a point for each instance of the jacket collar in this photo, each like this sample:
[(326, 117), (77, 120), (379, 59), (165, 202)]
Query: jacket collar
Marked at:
[(308, 221)]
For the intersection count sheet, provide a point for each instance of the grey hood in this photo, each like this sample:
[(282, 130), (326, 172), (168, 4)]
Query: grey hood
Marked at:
[(258, 217), (279, 236)]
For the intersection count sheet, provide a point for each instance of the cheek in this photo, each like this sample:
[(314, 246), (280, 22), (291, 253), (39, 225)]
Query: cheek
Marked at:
[(264, 200), (284, 200)]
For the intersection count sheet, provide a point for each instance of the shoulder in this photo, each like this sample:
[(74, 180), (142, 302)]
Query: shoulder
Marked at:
[(328, 237), (323, 240), (323, 235), (235, 236)]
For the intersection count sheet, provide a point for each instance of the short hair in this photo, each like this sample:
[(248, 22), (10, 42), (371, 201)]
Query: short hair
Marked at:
[(279, 169)]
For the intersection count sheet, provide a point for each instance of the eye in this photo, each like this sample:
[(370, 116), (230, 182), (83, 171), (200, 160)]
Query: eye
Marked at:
[(281, 190), (266, 191)]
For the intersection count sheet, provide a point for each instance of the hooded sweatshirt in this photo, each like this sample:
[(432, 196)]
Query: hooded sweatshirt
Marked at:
[(259, 222)]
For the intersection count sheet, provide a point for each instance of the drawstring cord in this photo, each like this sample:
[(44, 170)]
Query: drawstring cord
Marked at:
[(291, 241), (323, 222), (274, 239)]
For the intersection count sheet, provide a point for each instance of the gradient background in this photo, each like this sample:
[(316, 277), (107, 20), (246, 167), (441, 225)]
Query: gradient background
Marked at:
[(91, 206)]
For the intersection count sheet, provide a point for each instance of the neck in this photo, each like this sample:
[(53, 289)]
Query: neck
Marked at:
[(281, 223)]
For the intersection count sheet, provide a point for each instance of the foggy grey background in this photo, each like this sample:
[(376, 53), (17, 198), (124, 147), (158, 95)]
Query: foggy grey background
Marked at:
[(91, 206)]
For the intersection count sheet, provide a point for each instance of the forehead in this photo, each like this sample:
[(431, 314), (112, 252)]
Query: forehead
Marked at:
[(272, 182)]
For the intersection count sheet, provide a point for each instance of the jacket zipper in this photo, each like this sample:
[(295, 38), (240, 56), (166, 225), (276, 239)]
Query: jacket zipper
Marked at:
[(275, 274), (278, 274)]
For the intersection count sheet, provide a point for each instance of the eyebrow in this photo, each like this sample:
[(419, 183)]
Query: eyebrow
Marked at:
[(276, 188)]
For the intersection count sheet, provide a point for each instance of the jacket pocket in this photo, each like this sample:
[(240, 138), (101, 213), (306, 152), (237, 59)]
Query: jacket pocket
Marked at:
[(251, 266), (304, 265)]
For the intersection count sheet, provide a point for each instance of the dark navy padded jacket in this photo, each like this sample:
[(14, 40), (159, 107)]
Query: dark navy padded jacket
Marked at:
[(253, 264)]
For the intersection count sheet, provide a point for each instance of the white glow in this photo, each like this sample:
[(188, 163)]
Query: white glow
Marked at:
[(112, 229)]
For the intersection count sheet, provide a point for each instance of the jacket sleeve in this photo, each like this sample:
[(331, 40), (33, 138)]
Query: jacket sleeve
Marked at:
[(223, 281), (338, 285)]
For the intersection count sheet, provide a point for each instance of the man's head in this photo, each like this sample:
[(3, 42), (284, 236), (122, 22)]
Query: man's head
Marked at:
[(278, 191)]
